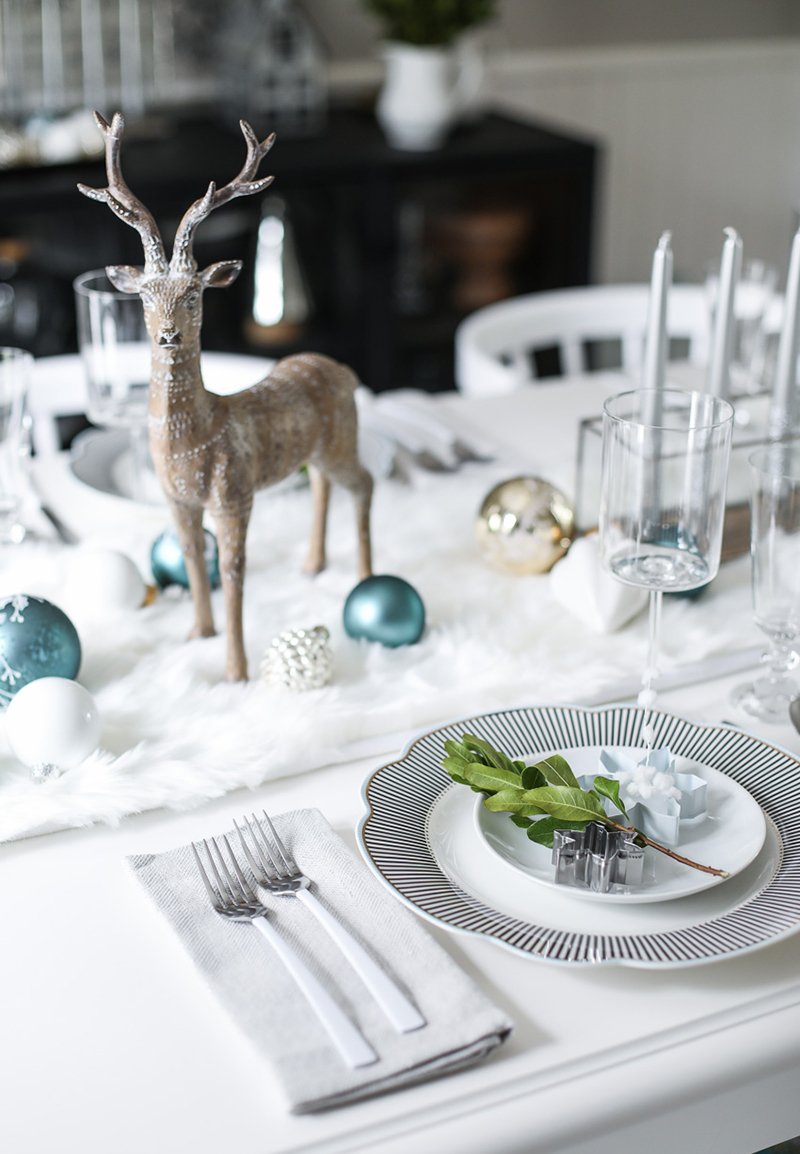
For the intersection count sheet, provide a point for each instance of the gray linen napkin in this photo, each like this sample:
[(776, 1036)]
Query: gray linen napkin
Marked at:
[(462, 1024)]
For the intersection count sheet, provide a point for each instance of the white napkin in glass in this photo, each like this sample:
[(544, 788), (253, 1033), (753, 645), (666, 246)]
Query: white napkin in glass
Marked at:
[(462, 1024)]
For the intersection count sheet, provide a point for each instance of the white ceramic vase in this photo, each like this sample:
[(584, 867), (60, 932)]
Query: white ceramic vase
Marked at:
[(424, 93)]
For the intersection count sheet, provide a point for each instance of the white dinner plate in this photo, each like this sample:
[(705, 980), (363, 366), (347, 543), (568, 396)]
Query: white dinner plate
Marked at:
[(728, 838), (466, 860), (102, 459), (419, 837)]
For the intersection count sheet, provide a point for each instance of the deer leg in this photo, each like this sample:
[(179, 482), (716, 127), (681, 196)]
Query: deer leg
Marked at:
[(232, 536), (362, 495), (320, 496), (359, 482), (189, 525)]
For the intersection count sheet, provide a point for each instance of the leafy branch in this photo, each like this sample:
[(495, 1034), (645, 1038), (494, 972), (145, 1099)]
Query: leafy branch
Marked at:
[(544, 797)]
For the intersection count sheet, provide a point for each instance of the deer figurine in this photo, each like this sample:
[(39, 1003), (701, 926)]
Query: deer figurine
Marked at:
[(213, 452)]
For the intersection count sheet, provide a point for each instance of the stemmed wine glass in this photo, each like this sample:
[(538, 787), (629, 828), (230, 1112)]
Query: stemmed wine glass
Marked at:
[(775, 558), (662, 502)]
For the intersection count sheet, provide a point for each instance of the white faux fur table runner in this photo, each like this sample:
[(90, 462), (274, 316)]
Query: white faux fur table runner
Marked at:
[(174, 734)]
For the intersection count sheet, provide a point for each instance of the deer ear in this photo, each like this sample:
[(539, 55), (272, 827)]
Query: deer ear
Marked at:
[(221, 274), (125, 277)]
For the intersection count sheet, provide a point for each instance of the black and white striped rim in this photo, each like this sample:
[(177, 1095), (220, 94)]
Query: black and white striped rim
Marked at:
[(399, 798)]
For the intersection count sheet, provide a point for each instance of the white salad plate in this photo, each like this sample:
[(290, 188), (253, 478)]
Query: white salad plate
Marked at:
[(420, 837), (729, 837)]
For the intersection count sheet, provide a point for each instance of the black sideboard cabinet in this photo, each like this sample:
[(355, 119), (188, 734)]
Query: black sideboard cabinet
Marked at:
[(391, 249)]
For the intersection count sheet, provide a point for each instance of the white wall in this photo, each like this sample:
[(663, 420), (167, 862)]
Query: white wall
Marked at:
[(695, 137), (350, 32)]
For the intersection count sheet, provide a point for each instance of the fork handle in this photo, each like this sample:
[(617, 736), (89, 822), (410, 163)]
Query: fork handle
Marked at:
[(402, 1013), (354, 1048)]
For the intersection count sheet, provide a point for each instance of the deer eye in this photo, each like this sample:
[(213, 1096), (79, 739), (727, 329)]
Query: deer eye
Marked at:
[(192, 300)]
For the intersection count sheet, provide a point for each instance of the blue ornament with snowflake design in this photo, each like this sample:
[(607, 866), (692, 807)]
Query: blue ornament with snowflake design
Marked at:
[(37, 639)]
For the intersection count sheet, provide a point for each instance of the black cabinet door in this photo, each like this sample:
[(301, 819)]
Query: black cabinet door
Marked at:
[(384, 251)]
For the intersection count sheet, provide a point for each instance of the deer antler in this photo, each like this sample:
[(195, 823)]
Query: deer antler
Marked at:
[(121, 200), (241, 185)]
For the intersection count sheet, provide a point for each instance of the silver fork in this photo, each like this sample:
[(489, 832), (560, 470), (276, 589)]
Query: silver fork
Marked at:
[(274, 868), (232, 896)]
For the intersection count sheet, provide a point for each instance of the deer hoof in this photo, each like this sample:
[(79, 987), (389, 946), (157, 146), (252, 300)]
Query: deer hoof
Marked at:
[(313, 567), (237, 674), (202, 631)]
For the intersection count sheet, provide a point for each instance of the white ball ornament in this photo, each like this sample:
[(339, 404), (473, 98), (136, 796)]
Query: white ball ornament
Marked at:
[(103, 581), (52, 724)]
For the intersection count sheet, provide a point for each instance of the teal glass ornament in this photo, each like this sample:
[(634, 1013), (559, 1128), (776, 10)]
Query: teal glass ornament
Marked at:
[(385, 609), (37, 639), (169, 567)]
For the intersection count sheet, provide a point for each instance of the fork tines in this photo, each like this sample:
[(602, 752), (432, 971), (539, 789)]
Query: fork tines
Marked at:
[(225, 888), (271, 860)]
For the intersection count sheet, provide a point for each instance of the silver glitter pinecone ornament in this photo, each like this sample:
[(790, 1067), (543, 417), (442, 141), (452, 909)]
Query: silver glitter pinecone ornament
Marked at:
[(298, 659)]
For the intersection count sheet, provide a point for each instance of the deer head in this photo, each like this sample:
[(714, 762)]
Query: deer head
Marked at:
[(172, 291)]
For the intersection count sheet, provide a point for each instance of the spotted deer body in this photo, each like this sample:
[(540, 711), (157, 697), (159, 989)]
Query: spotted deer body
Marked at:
[(213, 452)]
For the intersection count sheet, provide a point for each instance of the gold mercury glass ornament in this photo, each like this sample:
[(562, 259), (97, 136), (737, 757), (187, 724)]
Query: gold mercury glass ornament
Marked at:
[(525, 525)]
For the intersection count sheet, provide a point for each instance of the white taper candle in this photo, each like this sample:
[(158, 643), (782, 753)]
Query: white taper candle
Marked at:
[(655, 354), (724, 318), (783, 404)]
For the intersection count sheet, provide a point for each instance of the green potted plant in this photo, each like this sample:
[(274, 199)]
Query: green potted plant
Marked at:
[(429, 23), (427, 85)]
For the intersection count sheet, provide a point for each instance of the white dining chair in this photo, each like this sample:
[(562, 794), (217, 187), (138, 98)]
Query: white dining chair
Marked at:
[(502, 346)]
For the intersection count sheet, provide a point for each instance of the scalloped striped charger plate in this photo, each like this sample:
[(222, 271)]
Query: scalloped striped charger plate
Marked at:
[(418, 836)]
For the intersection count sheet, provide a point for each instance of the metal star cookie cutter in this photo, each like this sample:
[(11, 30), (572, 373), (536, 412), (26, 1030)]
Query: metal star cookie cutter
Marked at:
[(597, 858)]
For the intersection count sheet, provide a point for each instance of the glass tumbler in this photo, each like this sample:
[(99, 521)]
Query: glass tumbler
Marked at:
[(115, 349)]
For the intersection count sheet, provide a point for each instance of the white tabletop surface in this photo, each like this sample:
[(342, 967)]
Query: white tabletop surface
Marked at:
[(109, 1040)]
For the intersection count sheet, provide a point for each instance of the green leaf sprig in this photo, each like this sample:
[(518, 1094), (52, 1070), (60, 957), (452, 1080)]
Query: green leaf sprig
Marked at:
[(544, 797)]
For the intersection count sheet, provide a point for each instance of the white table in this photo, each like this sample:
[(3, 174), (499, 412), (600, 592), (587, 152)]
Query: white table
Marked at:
[(109, 1040)]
